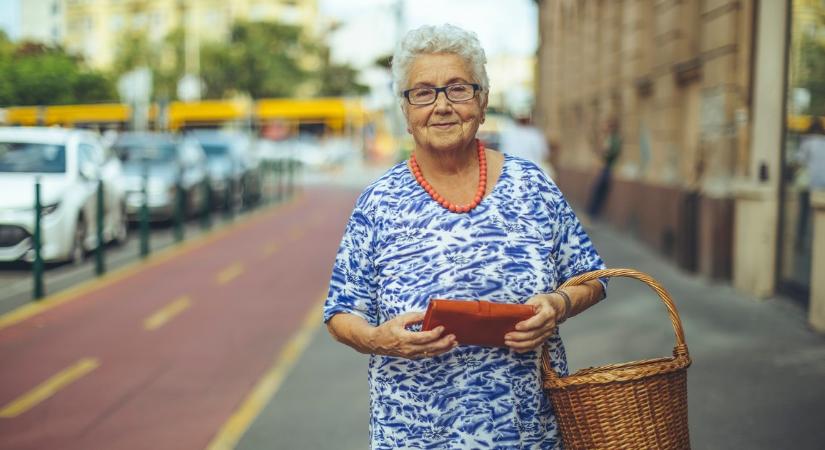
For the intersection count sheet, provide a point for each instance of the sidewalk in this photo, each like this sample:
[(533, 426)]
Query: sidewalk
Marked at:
[(756, 381)]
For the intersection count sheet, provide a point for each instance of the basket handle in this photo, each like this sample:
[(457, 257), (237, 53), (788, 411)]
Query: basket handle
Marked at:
[(681, 346)]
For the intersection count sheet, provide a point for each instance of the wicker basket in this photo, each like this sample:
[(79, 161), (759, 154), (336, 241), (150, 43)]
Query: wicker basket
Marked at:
[(640, 405)]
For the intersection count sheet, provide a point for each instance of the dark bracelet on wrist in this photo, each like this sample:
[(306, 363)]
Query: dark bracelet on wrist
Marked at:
[(568, 305)]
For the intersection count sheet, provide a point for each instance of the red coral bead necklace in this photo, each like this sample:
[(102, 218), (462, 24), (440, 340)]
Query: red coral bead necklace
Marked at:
[(482, 183)]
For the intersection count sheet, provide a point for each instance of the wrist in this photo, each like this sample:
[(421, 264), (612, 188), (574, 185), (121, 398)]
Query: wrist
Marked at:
[(565, 303)]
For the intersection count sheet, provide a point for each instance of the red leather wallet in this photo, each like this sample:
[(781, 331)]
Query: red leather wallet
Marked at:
[(475, 322)]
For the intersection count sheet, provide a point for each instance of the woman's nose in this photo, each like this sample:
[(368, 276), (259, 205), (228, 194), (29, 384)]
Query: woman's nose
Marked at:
[(441, 102)]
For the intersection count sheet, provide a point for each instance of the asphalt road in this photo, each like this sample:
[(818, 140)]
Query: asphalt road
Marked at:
[(162, 354), (756, 381), (238, 357)]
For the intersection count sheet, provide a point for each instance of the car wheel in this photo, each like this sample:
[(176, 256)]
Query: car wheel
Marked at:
[(78, 253)]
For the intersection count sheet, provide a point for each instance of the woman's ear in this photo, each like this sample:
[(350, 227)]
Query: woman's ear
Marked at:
[(406, 116)]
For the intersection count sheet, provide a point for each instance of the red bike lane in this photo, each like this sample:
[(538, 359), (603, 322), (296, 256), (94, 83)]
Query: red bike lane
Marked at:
[(230, 304)]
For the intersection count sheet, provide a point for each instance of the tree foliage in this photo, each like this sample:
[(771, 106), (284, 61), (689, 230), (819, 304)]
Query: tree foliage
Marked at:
[(337, 79), (36, 74), (260, 59), (812, 72)]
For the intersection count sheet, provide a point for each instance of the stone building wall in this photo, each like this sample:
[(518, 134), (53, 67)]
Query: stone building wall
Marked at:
[(676, 74)]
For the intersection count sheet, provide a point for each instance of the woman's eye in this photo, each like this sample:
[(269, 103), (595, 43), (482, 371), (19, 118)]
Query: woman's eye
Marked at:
[(422, 93)]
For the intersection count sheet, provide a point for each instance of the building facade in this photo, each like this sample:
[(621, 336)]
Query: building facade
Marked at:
[(93, 28), (42, 21), (698, 88)]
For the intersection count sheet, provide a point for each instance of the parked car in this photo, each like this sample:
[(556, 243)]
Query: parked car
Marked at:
[(69, 164), (233, 165), (167, 160), (307, 150)]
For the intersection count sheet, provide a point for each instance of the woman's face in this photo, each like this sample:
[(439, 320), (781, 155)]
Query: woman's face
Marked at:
[(443, 125)]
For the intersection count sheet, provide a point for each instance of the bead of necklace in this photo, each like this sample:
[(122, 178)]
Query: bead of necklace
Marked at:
[(482, 183)]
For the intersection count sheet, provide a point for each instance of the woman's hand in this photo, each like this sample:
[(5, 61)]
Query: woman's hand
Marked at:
[(392, 338), (533, 332)]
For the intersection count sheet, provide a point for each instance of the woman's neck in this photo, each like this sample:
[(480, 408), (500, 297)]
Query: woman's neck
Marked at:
[(448, 163)]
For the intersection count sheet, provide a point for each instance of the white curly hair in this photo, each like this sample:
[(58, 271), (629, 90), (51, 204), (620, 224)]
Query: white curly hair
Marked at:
[(430, 39)]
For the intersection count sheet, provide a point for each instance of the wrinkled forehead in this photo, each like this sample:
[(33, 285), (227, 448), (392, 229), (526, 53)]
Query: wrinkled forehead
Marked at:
[(438, 69)]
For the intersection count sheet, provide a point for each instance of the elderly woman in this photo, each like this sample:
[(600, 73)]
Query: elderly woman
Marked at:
[(456, 221)]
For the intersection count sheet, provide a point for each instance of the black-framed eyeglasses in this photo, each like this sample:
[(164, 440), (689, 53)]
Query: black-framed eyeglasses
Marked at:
[(458, 92)]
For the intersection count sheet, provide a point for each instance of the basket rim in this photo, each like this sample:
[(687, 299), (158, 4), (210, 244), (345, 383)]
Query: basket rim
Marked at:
[(624, 371), (612, 373)]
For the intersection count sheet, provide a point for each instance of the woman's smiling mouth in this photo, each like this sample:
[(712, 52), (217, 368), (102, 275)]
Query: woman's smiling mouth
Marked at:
[(443, 126)]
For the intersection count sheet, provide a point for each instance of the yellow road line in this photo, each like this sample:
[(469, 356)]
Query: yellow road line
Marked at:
[(165, 314), (53, 301), (230, 273), (271, 248), (296, 233), (240, 421), (49, 388)]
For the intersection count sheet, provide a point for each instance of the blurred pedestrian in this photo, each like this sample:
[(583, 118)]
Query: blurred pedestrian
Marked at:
[(524, 140), (456, 221), (812, 154), (609, 152)]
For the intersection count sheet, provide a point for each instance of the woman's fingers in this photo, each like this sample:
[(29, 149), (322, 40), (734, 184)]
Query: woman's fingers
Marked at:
[(410, 318), (545, 313), (527, 345), (438, 347), (424, 337), (533, 331), (522, 336)]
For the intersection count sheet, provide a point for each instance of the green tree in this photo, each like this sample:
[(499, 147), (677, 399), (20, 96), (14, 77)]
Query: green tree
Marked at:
[(260, 59), (263, 59), (35, 74), (266, 59), (812, 72), (338, 79), (7, 92)]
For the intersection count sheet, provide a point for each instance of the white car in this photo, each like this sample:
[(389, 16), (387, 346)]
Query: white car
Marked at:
[(69, 164)]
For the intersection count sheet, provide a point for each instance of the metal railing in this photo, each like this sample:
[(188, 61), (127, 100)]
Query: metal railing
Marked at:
[(277, 184)]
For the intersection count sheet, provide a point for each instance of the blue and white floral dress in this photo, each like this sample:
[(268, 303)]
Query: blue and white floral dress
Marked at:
[(401, 249)]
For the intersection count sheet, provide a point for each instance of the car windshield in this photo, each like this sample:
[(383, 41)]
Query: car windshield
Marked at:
[(215, 149), (30, 157), (151, 151)]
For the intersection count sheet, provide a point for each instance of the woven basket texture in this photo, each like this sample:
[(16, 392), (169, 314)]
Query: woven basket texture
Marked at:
[(639, 405)]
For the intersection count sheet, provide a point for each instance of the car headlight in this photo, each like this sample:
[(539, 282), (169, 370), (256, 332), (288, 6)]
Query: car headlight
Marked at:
[(45, 210)]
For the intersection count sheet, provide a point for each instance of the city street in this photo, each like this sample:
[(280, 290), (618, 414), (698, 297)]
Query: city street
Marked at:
[(176, 177), (159, 355), (218, 344), (755, 382)]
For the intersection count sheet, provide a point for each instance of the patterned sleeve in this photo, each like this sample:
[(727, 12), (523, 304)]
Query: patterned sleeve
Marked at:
[(352, 288), (574, 251)]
